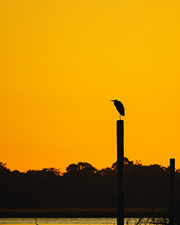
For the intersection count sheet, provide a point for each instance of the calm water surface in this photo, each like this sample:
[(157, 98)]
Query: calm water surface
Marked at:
[(75, 221), (66, 221)]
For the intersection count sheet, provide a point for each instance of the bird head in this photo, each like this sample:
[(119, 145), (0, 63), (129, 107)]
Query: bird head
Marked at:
[(115, 101)]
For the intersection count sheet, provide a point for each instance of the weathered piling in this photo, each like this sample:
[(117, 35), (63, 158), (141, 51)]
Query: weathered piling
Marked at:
[(171, 210), (120, 166)]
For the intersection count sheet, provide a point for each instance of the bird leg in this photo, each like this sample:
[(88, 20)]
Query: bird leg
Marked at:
[(120, 116)]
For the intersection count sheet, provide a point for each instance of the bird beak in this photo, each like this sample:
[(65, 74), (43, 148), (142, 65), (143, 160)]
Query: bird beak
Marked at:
[(112, 100)]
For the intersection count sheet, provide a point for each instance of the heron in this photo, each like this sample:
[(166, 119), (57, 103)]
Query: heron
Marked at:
[(119, 106)]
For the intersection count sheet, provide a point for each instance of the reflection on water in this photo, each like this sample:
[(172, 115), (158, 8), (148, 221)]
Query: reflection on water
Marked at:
[(74, 221), (49, 221)]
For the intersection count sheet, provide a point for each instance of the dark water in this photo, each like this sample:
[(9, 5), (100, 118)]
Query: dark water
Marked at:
[(74, 221)]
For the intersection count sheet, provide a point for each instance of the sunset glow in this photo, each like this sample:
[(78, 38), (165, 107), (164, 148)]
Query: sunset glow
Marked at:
[(61, 62)]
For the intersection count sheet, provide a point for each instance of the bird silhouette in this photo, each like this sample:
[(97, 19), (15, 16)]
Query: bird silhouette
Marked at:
[(119, 106)]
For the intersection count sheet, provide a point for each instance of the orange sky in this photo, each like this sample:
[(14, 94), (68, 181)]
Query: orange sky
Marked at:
[(60, 64)]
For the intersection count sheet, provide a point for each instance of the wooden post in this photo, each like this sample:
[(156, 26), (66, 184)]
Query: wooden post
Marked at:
[(172, 168), (120, 175)]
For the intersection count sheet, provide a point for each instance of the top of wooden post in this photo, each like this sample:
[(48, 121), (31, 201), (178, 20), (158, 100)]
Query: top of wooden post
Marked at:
[(120, 121)]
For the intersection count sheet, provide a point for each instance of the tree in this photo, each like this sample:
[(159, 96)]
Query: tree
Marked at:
[(81, 167), (3, 167), (106, 172)]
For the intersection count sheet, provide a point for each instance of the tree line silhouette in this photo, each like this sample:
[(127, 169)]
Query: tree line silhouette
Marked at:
[(83, 186)]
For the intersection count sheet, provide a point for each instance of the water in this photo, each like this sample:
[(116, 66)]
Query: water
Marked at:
[(66, 221), (76, 221)]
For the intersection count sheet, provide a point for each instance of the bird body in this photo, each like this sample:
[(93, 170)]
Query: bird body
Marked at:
[(119, 106)]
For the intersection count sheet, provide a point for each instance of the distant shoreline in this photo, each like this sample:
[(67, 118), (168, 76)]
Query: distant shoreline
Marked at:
[(82, 213)]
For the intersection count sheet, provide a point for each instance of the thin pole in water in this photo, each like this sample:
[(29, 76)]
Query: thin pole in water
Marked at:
[(36, 221), (172, 168), (120, 169)]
